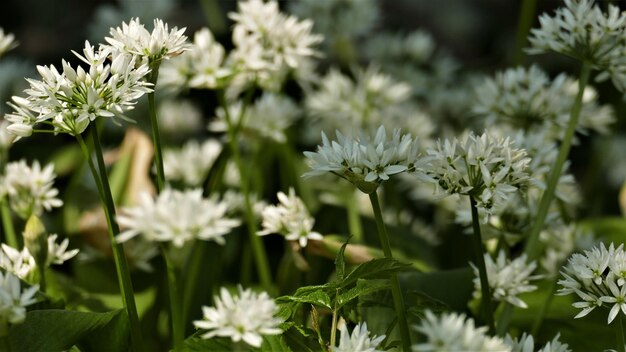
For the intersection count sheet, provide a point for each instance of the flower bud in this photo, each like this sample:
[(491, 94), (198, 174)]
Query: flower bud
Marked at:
[(36, 240)]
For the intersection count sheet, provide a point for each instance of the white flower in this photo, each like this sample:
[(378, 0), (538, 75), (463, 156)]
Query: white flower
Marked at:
[(485, 167), (69, 100), (135, 39), (19, 263), (526, 343), (192, 163), (57, 252), (507, 279), (29, 188), (290, 218), (7, 42), (269, 43), (269, 117), (246, 317), (207, 62), (455, 332), (176, 217), (358, 341), (13, 301), (178, 118), (366, 161)]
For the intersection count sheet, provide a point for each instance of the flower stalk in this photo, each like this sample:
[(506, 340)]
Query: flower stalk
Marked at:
[(7, 224), (398, 301), (154, 123), (176, 317), (258, 248), (622, 340), (532, 244), (486, 303), (121, 266)]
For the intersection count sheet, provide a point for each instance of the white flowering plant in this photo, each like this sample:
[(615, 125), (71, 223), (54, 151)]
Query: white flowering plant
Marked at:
[(312, 176)]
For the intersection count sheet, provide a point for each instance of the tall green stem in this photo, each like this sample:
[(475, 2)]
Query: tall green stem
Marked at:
[(527, 14), (354, 218), (398, 301), (121, 266), (532, 245), (178, 326), (486, 303), (7, 224), (622, 340), (333, 327), (258, 249), (156, 139)]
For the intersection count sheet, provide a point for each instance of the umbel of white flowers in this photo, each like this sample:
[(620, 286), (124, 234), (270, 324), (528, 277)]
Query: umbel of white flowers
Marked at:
[(13, 301), (598, 278), (359, 340), (364, 161)]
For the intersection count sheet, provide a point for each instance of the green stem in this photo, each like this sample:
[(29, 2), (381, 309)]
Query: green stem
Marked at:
[(486, 303), (333, 327), (544, 307), (622, 340), (526, 17), (156, 139), (505, 319), (532, 245), (7, 225), (398, 301), (178, 326), (121, 266), (354, 218), (42, 277), (213, 14), (258, 248)]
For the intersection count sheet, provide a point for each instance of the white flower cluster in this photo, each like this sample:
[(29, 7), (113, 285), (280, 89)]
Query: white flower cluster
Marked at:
[(7, 42), (268, 41), (485, 167), (70, 99), (290, 218), (598, 277), (133, 38), (246, 317), (528, 99), (583, 31), (526, 343), (13, 301), (206, 62), (507, 278), (177, 217), (371, 100), (22, 264), (191, 164), (358, 341), (269, 117), (29, 189), (179, 118), (455, 332), (366, 161)]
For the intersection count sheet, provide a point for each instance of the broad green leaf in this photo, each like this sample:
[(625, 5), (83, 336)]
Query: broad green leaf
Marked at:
[(317, 297), (59, 330), (363, 287), (374, 269)]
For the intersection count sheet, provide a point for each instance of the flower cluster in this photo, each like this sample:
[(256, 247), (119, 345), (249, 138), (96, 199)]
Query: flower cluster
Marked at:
[(487, 168), (526, 343), (290, 218), (22, 264), (246, 317), (151, 47), (71, 99), (177, 217), (269, 117), (507, 278), (583, 31), (528, 99), (13, 301), (29, 189), (366, 161), (7, 42), (598, 277), (191, 164), (179, 118), (268, 42), (455, 332), (358, 341)]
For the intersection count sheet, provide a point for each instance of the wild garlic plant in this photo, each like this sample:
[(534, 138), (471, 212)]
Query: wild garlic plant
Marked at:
[(262, 116)]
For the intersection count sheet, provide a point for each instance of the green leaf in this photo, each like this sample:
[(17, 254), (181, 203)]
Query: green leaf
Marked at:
[(363, 287), (316, 296), (374, 269), (274, 343), (340, 264), (195, 343), (59, 330)]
